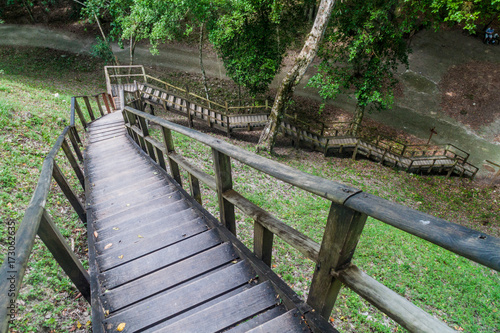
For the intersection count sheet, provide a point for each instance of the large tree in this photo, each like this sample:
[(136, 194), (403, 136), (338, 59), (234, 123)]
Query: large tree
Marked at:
[(251, 37), (362, 49), (293, 77)]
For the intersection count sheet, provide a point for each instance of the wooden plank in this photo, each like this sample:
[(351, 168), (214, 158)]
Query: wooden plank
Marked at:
[(160, 196), (228, 312), (159, 259), (343, 229), (68, 192), (169, 277), (171, 303), (291, 322), (163, 216), (137, 209), (263, 243), (143, 244), (472, 244), (130, 191), (298, 240), (258, 320), (125, 200), (224, 182), (395, 306), (68, 261), (108, 191)]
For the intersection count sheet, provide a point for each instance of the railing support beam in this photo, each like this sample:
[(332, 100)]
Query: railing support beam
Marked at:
[(224, 182), (169, 144), (71, 265), (342, 232), (68, 192)]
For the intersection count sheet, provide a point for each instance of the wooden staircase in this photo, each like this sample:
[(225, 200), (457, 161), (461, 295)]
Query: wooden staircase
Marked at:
[(159, 261)]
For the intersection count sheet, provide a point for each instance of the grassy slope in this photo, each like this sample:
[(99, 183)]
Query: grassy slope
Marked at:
[(462, 293), (31, 118)]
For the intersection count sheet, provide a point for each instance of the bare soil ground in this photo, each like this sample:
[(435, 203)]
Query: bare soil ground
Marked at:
[(471, 93)]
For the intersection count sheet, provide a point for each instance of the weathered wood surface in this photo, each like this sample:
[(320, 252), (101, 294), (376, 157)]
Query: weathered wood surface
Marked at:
[(156, 96), (159, 261), (397, 307)]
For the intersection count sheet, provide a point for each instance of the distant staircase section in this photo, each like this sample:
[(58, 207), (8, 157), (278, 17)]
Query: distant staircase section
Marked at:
[(445, 159)]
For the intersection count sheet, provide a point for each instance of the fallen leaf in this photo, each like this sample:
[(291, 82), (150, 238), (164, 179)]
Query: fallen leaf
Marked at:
[(120, 327), (78, 325), (140, 236), (95, 234), (234, 261), (115, 228), (120, 257), (72, 329), (88, 323), (106, 313), (274, 266), (128, 205), (108, 246)]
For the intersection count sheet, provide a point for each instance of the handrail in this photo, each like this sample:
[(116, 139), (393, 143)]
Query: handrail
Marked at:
[(37, 221), (349, 210)]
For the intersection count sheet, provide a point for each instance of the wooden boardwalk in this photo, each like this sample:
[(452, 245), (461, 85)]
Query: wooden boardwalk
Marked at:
[(161, 263), (445, 162)]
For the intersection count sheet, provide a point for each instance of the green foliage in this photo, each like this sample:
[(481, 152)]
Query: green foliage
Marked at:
[(362, 49), (102, 50), (251, 42)]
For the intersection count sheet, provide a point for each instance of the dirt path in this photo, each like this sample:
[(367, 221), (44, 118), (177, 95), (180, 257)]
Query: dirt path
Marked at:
[(416, 112)]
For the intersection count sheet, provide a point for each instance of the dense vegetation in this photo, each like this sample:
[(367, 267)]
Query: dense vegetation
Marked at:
[(463, 294)]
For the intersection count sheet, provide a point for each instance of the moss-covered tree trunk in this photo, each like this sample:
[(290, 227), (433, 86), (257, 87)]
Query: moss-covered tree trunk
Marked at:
[(293, 77)]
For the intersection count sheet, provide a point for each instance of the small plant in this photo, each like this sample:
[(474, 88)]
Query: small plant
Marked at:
[(102, 50)]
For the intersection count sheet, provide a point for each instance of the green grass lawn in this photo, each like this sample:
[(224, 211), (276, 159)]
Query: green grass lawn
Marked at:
[(463, 294)]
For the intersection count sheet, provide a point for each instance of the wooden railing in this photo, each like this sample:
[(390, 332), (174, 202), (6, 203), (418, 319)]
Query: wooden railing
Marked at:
[(394, 152), (349, 210), (37, 220)]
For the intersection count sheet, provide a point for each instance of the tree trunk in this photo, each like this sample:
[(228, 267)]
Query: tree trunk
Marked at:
[(357, 119), (203, 74), (293, 77)]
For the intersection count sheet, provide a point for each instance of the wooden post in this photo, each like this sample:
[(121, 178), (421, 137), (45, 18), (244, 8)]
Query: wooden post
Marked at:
[(194, 186), (99, 105), (74, 163), (89, 107), (355, 150), (68, 192), (161, 159), (263, 243), (74, 142), (224, 182), (451, 169), (342, 232), (80, 114), (145, 134), (228, 129), (71, 265), (169, 144), (105, 99)]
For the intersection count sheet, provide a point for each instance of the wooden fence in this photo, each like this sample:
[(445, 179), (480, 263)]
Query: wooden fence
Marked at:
[(349, 210)]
